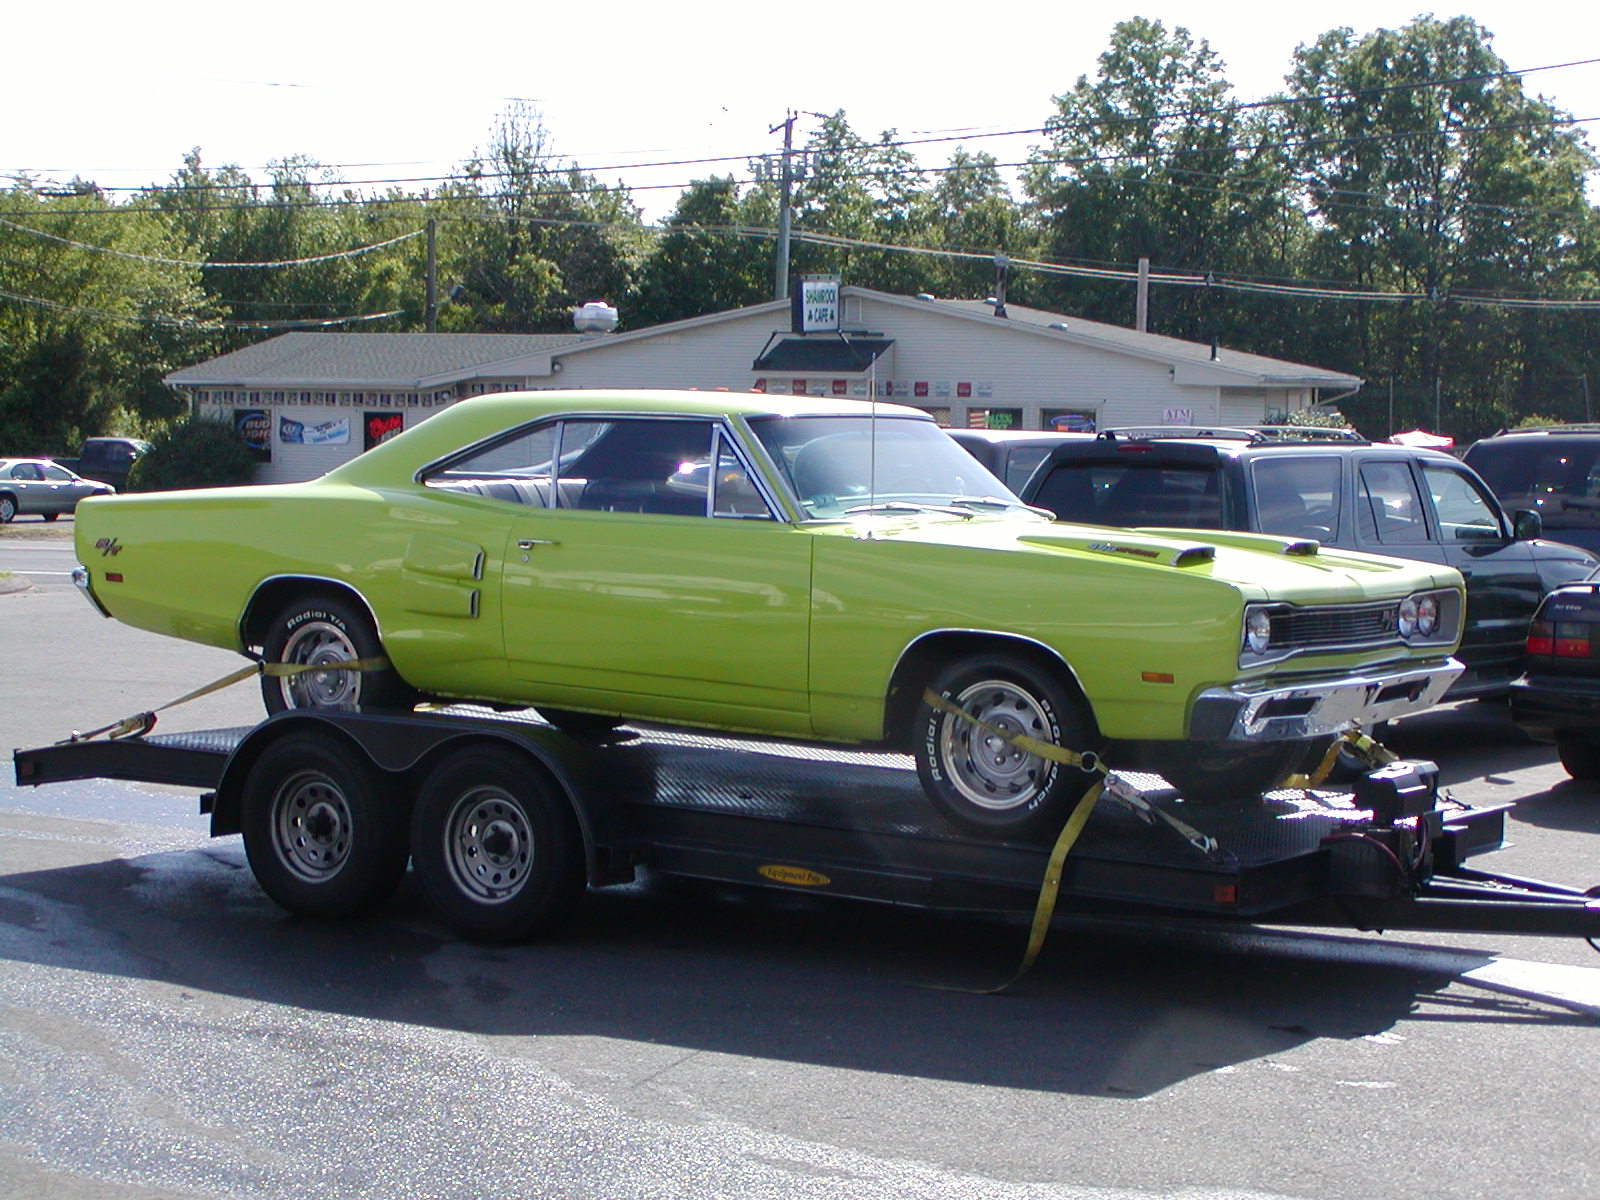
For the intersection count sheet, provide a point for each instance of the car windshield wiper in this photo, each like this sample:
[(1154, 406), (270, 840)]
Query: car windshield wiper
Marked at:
[(999, 502), (907, 506)]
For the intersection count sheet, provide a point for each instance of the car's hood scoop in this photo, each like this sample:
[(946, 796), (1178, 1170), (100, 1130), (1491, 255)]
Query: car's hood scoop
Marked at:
[(1123, 543)]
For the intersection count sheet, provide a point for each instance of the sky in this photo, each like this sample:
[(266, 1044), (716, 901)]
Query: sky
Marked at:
[(119, 93)]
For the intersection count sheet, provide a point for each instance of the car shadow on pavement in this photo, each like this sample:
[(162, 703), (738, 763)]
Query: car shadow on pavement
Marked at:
[(772, 975)]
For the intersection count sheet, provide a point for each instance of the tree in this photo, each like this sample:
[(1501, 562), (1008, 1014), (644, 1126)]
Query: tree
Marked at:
[(702, 262), (99, 304)]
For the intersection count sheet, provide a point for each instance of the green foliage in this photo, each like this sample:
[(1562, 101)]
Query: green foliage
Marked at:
[(195, 452)]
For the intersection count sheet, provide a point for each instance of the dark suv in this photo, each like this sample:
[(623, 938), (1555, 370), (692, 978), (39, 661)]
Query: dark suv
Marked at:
[(1554, 470), (1379, 498)]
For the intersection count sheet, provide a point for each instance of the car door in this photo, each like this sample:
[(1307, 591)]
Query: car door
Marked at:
[(65, 488), (1503, 585), (659, 581)]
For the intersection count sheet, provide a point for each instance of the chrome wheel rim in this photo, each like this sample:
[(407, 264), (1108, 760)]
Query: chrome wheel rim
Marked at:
[(488, 845), (311, 827), (986, 769), (317, 643)]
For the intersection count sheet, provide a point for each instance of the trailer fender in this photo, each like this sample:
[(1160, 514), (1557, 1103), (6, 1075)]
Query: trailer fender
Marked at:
[(404, 745)]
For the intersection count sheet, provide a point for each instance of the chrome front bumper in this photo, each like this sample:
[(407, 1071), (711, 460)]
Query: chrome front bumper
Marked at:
[(1318, 707)]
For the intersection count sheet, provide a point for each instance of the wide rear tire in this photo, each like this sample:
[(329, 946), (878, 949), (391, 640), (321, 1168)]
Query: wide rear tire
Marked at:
[(323, 629), (1580, 755)]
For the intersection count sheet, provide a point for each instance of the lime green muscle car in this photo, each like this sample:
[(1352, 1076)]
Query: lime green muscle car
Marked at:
[(825, 570)]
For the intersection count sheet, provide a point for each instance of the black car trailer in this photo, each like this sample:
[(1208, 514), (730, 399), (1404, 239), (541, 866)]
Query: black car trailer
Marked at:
[(507, 820)]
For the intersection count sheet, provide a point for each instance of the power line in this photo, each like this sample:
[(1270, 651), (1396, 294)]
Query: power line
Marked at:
[(180, 262)]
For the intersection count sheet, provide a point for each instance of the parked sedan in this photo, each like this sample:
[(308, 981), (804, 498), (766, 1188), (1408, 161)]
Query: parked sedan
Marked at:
[(39, 487), (807, 569), (1558, 700)]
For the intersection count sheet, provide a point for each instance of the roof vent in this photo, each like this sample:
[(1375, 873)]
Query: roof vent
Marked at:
[(594, 317)]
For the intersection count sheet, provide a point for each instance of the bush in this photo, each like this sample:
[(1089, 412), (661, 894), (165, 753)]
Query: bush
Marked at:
[(196, 452)]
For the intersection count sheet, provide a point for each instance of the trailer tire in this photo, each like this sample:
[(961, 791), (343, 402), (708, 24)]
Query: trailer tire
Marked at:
[(978, 781), (497, 846), (320, 628), (322, 836)]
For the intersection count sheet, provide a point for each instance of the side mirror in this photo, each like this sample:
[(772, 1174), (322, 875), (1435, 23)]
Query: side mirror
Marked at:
[(1526, 525)]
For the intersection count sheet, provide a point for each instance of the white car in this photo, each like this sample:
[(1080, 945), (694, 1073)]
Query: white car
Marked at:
[(39, 487)]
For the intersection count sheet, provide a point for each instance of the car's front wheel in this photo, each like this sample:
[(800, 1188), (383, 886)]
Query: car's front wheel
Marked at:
[(320, 632), (969, 764), (8, 509)]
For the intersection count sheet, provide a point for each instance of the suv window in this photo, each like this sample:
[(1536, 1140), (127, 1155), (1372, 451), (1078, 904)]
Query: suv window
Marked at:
[(1119, 493), (1559, 476), (1389, 507), (1298, 495), (1465, 513)]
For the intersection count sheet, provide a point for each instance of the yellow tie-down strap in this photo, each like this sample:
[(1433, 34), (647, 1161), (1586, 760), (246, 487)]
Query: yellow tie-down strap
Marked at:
[(1045, 906), (143, 722), (1358, 743)]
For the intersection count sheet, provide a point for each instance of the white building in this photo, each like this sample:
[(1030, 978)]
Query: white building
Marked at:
[(309, 401)]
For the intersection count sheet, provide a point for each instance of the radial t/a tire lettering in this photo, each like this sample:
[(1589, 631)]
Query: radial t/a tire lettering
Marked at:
[(978, 779), (325, 837), (496, 846), (327, 629)]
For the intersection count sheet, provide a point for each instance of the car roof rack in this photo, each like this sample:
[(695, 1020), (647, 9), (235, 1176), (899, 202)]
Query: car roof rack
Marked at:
[(1572, 427), (1253, 434)]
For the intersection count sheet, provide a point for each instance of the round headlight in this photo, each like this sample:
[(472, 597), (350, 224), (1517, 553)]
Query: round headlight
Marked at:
[(1406, 621), (1427, 616), (1257, 631)]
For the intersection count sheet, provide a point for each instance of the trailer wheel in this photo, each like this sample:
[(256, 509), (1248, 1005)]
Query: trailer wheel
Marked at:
[(323, 629), (321, 835), (496, 846), (980, 781), (1580, 755)]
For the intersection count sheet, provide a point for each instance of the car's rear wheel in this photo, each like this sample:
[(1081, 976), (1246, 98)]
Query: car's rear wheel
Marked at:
[(974, 774), (496, 846), (322, 631), (1580, 755), (323, 836)]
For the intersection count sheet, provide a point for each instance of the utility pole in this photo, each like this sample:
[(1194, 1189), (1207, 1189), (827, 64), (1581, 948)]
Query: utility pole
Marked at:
[(785, 179), (431, 305), (1141, 305)]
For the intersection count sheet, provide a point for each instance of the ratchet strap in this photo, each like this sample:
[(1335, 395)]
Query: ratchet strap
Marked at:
[(143, 722), (1045, 906)]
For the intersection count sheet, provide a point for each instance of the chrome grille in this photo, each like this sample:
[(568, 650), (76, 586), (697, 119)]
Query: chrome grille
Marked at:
[(1335, 626)]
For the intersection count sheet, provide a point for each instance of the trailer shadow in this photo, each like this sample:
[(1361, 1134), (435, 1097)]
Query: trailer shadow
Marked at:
[(771, 975)]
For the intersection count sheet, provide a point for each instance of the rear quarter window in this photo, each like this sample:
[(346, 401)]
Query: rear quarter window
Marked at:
[(1130, 494)]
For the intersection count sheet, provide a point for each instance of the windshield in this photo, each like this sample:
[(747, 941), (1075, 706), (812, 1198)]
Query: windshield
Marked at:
[(838, 465)]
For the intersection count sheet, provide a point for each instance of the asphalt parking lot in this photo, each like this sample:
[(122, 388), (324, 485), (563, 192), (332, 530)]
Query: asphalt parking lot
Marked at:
[(166, 1031)]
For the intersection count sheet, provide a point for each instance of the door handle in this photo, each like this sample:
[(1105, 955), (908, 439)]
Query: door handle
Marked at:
[(530, 543)]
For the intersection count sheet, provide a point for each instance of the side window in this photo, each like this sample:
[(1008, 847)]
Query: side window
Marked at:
[(641, 465), (734, 494), (516, 469), (1389, 506), (1465, 514), (29, 471), (60, 474), (1298, 496)]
